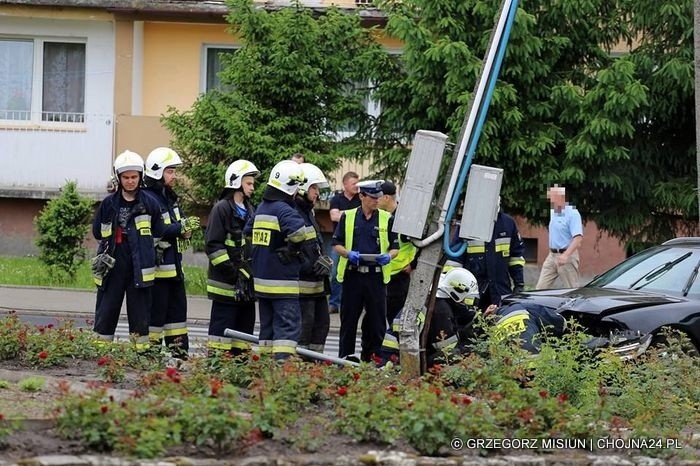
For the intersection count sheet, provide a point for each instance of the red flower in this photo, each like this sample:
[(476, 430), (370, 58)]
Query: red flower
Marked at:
[(435, 369), (562, 397), (2, 417), (255, 357), (466, 400), (40, 328), (394, 358), (342, 391), (49, 326), (454, 399), (215, 385), (355, 376), (544, 394), (392, 388), (104, 408), (526, 415), (103, 361), (173, 374), (327, 363), (376, 359), (436, 390), (42, 355), (254, 436)]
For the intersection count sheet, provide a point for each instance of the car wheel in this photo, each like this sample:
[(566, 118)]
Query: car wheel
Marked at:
[(670, 341)]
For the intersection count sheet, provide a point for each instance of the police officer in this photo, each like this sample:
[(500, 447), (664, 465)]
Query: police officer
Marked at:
[(229, 276), (313, 288), (125, 224), (366, 245), (169, 309), (451, 316), (400, 266), (496, 263), (281, 242)]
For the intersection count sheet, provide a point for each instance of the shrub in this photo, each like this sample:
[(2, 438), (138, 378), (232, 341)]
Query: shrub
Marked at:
[(61, 228)]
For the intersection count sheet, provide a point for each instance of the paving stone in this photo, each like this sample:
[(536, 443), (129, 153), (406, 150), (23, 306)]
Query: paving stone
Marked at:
[(55, 460)]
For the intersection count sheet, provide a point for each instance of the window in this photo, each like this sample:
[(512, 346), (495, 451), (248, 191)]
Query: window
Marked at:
[(214, 62), (42, 80)]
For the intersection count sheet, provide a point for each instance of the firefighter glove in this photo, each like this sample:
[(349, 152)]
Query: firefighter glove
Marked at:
[(383, 259), (102, 264), (323, 266), (354, 257)]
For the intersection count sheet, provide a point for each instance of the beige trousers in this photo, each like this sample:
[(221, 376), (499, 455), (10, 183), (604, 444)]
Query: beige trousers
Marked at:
[(567, 272)]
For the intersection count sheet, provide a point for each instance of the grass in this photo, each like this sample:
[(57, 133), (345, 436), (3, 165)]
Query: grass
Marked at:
[(30, 271)]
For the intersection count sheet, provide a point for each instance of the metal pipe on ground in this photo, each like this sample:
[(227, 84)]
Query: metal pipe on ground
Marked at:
[(301, 351)]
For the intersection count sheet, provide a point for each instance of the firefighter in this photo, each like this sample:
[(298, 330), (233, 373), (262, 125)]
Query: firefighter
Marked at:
[(169, 309), (498, 264), (281, 241), (313, 288), (125, 224), (229, 276), (366, 245), (451, 319), (523, 323)]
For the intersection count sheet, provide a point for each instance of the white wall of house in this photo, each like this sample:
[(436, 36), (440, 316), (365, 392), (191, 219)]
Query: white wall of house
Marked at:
[(41, 155)]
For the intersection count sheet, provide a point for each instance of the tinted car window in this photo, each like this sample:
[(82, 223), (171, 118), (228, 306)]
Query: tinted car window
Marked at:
[(663, 269)]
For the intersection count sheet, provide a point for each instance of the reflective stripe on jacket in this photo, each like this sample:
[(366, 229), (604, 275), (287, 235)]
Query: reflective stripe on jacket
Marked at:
[(350, 216), (144, 223)]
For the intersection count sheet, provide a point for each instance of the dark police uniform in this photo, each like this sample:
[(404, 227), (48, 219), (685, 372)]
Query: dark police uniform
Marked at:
[(342, 203), (364, 285)]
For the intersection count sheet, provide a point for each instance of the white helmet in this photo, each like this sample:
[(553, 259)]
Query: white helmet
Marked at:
[(237, 170), (159, 159), (126, 161), (313, 175), (458, 284), (286, 176)]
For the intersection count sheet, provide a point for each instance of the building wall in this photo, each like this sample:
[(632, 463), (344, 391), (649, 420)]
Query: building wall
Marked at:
[(52, 152)]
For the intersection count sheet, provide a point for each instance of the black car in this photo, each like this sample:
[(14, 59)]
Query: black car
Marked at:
[(630, 305)]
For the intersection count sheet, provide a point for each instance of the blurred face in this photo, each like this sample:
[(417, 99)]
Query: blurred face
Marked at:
[(169, 177), (248, 185), (350, 186), (129, 180), (312, 193), (557, 197)]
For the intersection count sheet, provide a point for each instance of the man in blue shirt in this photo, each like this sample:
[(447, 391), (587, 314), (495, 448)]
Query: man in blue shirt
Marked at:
[(565, 238)]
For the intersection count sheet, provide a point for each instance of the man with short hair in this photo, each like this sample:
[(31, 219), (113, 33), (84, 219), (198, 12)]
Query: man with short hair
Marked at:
[(366, 244), (343, 200), (565, 238)]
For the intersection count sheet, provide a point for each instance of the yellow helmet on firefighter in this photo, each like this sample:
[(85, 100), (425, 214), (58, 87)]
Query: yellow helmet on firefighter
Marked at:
[(237, 170), (458, 284), (126, 161), (286, 176), (313, 175), (159, 159)]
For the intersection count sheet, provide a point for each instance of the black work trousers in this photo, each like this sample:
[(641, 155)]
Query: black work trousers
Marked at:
[(169, 315), (396, 294), (236, 316), (368, 291), (315, 323), (110, 296)]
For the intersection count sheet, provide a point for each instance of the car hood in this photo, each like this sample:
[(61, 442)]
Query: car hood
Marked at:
[(595, 300)]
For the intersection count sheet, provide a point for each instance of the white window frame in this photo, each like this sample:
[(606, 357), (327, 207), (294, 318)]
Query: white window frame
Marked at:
[(204, 65), (36, 110)]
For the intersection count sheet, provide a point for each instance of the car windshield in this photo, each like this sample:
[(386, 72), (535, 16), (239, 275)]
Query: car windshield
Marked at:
[(664, 269)]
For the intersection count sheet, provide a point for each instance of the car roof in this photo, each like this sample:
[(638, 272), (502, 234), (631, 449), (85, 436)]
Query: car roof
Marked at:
[(690, 240)]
